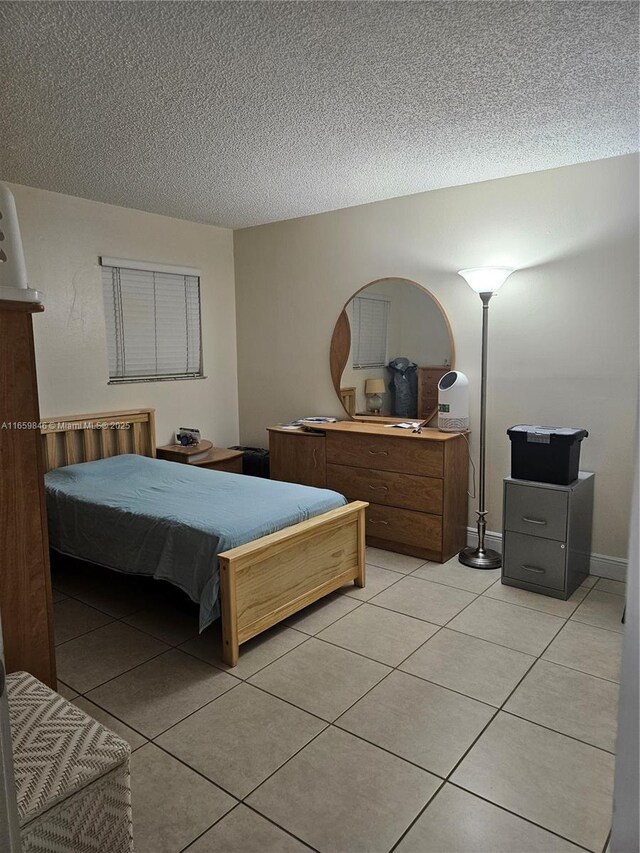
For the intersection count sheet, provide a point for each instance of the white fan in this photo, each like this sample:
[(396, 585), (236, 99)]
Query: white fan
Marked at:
[(13, 272)]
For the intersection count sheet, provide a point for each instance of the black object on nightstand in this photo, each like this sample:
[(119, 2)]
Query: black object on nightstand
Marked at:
[(547, 535)]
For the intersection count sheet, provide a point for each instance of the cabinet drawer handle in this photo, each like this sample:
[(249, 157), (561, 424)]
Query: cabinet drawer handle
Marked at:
[(377, 521), (379, 488), (534, 569), (533, 520), (379, 452)]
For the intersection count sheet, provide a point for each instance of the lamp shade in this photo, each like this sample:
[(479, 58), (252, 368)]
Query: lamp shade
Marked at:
[(486, 279), (374, 386)]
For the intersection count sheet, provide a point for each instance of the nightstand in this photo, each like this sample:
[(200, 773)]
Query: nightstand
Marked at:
[(203, 455)]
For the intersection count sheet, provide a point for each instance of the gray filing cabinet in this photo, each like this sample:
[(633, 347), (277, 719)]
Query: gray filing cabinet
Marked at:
[(547, 535)]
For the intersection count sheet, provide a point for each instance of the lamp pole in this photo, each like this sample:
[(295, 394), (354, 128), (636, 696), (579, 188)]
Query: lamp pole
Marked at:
[(485, 281)]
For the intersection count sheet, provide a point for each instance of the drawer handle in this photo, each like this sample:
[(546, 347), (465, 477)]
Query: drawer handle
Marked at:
[(379, 452), (377, 521), (534, 569), (533, 520), (378, 488)]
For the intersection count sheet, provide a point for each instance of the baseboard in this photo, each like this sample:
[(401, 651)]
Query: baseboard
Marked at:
[(614, 568), (491, 538), (601, 565)]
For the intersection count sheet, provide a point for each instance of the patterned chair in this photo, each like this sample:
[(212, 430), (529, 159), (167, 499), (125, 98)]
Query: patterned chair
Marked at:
[(72, 774)]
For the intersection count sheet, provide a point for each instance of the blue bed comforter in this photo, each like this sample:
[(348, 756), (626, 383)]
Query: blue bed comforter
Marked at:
[(150, 517)]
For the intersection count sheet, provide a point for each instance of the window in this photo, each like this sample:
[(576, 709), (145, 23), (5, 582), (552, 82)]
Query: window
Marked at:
[(370, 319), (152, 315)]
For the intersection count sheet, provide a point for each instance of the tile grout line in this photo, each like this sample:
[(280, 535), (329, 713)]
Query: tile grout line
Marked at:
[(229, 669), (335, 723), (240, 681), (130, 669), (151, 739), (491, 803), (501, 710), (521, 817), (255, 811), (387, 569), (535, 609), (582, 671), (204, 832), (555, 731), (599, 627), (393, 668), (417, 817), (271, 821), (477, 738), (255, 788), (366, 693)]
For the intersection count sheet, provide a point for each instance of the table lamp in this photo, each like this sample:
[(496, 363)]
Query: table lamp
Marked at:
[(373, 388)]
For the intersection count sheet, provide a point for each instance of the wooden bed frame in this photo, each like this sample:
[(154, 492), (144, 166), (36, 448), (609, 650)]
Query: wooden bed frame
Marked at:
[(262, 582)]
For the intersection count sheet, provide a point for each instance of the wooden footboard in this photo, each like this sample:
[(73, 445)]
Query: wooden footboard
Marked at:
[(263, 582)]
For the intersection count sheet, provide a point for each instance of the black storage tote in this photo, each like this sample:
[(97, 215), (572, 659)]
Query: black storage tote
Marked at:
[(545, 454)]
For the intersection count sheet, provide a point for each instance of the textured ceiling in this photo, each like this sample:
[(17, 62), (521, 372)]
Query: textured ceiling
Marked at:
[(241, 113)]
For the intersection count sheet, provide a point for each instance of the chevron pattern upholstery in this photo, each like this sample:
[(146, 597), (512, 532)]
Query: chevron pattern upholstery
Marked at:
[(72, 774)]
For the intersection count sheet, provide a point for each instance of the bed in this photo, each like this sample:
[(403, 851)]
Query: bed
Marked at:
[(264, 549)]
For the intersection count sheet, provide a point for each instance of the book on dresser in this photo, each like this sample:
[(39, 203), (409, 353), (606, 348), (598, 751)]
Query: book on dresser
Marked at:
[(415, 483)]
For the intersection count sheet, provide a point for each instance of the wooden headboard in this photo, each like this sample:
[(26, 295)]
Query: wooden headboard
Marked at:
[(83, 438)]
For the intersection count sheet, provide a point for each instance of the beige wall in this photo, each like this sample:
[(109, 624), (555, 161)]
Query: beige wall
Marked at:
[(63, 237), (563, 331)]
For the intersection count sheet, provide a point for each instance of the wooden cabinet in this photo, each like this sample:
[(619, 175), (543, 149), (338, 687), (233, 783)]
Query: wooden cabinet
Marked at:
[(25, 584), (297, 457), (416, 484), (428, 378)]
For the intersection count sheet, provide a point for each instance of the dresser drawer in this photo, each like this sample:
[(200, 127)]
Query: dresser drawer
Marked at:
[(403, 455), (534, 560), (232, 466), (536, 511), (387, 487), (417, 529)]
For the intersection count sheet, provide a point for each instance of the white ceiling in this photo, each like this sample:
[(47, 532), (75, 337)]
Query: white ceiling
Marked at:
[(238, 113)]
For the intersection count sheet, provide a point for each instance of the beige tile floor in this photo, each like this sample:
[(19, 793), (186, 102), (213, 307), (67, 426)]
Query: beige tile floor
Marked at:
[(435, 711)]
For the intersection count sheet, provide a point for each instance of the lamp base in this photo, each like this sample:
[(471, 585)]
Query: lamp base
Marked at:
[(374, 403), (480, 558)]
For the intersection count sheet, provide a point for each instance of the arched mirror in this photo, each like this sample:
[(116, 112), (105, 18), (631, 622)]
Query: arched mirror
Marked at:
[(391, 344)]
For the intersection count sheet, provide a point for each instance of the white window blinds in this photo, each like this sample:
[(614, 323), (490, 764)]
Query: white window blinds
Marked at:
[(370, 320), (153, 323)]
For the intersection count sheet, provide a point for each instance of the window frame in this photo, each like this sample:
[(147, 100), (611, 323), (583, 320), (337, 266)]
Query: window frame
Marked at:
[(356, 338), (151, 268)]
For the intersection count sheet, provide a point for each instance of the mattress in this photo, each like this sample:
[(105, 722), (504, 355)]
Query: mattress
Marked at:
[(170, 521)]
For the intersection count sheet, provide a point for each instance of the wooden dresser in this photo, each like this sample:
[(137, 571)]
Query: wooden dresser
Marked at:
[(25, 584), (416, 484), (428, 378)]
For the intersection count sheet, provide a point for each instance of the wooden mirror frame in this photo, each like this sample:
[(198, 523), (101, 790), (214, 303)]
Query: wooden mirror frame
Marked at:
[(341, 347)]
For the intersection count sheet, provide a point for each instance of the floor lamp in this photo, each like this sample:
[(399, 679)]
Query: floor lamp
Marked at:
[(485, 281)]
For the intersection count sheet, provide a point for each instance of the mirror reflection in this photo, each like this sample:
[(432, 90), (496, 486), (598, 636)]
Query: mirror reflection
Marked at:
[(392, 344)]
